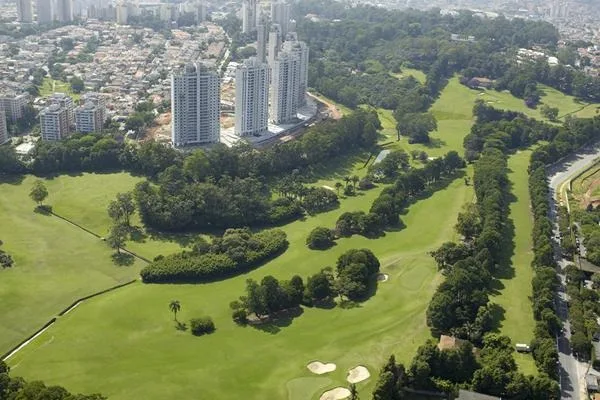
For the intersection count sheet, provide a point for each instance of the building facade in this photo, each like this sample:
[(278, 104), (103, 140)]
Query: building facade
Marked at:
[(24, 11), (273, 44), (44, 10), (88, 118), (280, 15), (63, 10), (300, 50), (249, 15), (14, 105), (65, 102), (195, 106), (251, 98), (3, 128), (285, 84), (54, 122), (262, 36)]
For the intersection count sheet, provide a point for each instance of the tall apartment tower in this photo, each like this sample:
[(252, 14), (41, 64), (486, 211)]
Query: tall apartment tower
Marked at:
[(88, 118), (65, 102), (98, 100), (45, 12), (261, 42), (280, 15), (285, 86), (63, 11), (251, 98), (249, 15), (14, 105), (273, 44), (195, 106), (3, 127), (24, 11), (54, 122), (300, 49)]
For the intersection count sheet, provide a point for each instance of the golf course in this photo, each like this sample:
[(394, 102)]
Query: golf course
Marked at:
[(125, 343)]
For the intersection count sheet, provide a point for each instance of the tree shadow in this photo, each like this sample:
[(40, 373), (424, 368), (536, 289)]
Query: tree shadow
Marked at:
[(325, 304), (181, 326), (122, 259), (12, 179), (137, 234), (497, 313), (274, 323), (348, 304), (43, 210)]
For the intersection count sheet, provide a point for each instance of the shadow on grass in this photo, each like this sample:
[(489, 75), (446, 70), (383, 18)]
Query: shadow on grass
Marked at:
[(181, 326), (43, 210), (497, 313), (274, 323), (122, 259), (12, 179)]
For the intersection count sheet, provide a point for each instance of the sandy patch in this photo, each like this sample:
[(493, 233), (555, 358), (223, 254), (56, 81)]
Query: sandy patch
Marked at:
[(382, 277), (317, 367), (358, 374), (339, 393), (328, 188)]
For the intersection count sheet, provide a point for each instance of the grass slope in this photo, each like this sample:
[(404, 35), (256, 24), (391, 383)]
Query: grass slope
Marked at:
[(50, 86), (515, 280), (236, 362)]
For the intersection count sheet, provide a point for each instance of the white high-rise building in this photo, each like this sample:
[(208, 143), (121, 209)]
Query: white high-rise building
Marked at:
[(273, 44), (122, 14), (285, 86), (54, 122), (280, 15), (249, 15), (63, 10), (88, 118), (65, 102), (45, 12), (300, 49), (24, 11), (98, 100), (195, 106), (261, 42), (251, 98), (3, 127), (14, 105)]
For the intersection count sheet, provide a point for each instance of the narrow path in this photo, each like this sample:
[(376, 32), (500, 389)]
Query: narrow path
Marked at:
[(515, 289)]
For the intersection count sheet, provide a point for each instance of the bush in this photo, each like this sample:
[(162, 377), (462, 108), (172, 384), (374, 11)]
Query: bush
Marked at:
[(236, 251), (365, 184), (320, 238), (202, 326)]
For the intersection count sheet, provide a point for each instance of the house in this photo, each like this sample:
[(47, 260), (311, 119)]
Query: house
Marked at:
[(468, 395), (591, 383)]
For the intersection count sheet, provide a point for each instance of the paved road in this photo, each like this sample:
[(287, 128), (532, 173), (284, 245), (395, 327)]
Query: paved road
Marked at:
[(571, 371)]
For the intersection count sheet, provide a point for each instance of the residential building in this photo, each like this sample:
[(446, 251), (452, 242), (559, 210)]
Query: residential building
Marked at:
[(261, 42), (3, 128), (54, 122), (98, 100), (63, 10), (24, 11), (122, 14), (274, 44), (195, 102), (251, 98), (285, 84), (88, 118), (249, 15), (14, 105), (280, 15), (65, 102), (300, 49), (45, 12)]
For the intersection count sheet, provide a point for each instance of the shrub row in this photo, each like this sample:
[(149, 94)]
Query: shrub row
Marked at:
[(237, 251)]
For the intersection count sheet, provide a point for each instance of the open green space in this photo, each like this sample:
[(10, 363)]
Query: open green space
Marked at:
[(50, 86), (137, 329), (514, 288), (417, 74)]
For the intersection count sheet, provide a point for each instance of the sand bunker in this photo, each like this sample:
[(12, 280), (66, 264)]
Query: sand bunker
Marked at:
[(339, 393), (382, 277), (317, 367), (358, 374)]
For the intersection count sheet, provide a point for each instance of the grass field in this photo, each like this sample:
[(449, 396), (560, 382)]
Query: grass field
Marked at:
[(515, 279), (50, 86)]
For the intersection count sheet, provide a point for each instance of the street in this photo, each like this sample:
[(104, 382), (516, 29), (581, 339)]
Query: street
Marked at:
[(571, 371)]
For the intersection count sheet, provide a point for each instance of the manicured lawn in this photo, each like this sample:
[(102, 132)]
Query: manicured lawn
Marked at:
[(50, 86), (124, 355), (417, 74), (515, 292)]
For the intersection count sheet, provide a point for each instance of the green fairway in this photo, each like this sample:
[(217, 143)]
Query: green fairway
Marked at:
[(50, 86), (137, 329), (418, 75), (515, 280)]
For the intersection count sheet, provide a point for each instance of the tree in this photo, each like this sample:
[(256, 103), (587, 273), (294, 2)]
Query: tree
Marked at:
[(255, 301), (338, 186), (320, 238), (121, 209), (77, 84), (318, 286), (355, 179), (469, 223), (38, 192), (416, 126), (202, 326), (353, 392), (117, 236), (347, 180), (549, 112), (175, 306)]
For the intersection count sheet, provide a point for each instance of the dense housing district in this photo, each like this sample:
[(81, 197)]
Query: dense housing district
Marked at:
[(303, 200)]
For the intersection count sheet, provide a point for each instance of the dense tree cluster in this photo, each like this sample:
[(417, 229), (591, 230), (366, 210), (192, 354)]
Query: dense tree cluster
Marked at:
[(19, 388), (236, 251), (6, 260), (202, 326), (320, 238)]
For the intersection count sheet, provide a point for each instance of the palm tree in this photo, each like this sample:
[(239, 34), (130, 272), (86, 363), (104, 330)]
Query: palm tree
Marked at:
[(175, 306), (338, 186), (355, 180), (347, 179), (353, 392)]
